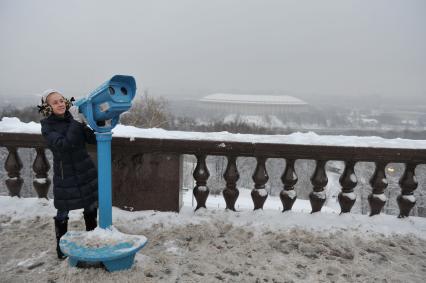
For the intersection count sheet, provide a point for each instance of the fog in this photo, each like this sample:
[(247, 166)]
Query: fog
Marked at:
[(193, 48)]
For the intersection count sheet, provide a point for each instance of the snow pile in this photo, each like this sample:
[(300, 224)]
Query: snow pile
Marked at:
[(99, 238), (14, 125), (16, 209)]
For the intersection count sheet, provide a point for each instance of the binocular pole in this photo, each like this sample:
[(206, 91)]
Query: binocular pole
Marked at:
[(104, 179)]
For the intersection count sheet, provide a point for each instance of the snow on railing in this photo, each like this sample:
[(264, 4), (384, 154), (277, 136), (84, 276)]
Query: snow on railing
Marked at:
[(15, 134)]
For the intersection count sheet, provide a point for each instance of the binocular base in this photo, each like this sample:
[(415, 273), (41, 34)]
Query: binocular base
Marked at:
[(114, 256)]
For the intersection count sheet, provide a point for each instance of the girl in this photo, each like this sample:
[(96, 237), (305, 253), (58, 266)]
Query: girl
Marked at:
[(75, 183)]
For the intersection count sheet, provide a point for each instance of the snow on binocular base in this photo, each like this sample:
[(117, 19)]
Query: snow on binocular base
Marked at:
[(99, 238), (114, 249)]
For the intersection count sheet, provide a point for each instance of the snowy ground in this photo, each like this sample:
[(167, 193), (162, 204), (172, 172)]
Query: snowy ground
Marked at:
[(215, 245)]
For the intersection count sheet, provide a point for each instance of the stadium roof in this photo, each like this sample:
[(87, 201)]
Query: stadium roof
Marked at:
[(253, 99)]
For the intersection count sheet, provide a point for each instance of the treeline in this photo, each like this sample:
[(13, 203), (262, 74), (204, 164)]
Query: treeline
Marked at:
[(25, 114)]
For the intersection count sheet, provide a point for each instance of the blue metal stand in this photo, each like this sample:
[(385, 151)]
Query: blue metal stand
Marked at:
[(104, 179), (114, 258)]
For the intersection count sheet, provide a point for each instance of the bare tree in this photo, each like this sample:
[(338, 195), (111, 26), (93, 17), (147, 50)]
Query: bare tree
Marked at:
[(147, 112)]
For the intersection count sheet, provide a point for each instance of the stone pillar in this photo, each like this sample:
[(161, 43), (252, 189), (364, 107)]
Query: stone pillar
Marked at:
[(13, 166), (319, 180), (41, 168), (378, 182), (348, 181), (201, 175), (408, 184), (289, 178), (231, 176), (260, 177)]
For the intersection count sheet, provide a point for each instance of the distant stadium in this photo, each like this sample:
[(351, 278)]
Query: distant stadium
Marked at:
[(252, 104)]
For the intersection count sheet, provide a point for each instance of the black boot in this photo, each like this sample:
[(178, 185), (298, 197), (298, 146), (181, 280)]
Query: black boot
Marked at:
[(61, 227), (90, 219)]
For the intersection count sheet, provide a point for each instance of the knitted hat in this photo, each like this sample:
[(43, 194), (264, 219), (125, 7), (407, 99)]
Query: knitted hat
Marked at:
[(48, 92)]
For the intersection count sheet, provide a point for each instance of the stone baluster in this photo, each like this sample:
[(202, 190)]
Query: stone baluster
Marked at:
[(231, 176), (378, 182), (41, 166), (260, 177), (201, 174), (289, 179), (348, 181), (13, 166), (319, 180), (408, 184)]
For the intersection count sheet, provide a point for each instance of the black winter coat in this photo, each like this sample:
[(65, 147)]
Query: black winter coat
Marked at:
[(75, 181)]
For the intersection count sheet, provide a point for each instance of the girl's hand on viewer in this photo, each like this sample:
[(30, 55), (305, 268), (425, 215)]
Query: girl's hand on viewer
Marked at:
[(76, 115)]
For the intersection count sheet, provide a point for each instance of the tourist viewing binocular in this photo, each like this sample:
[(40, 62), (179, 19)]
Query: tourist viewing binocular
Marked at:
[(103, 106)]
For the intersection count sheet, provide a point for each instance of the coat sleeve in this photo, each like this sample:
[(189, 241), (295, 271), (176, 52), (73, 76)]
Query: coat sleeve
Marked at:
[(74, 137), (89, 135)]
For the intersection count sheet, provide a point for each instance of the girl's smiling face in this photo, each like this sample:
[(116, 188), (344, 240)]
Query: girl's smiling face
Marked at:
[(57, 102)]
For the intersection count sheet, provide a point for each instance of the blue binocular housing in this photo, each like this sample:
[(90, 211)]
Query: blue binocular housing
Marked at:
[(103, 106)]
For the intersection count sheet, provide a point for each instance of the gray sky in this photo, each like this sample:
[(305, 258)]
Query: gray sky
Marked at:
[(289, 47)]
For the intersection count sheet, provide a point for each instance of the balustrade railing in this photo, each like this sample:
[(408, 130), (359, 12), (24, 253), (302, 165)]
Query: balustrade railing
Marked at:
[(261, 151)]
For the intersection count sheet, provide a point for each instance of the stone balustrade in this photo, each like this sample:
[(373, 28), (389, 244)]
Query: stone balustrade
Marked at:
[(147, 172)]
